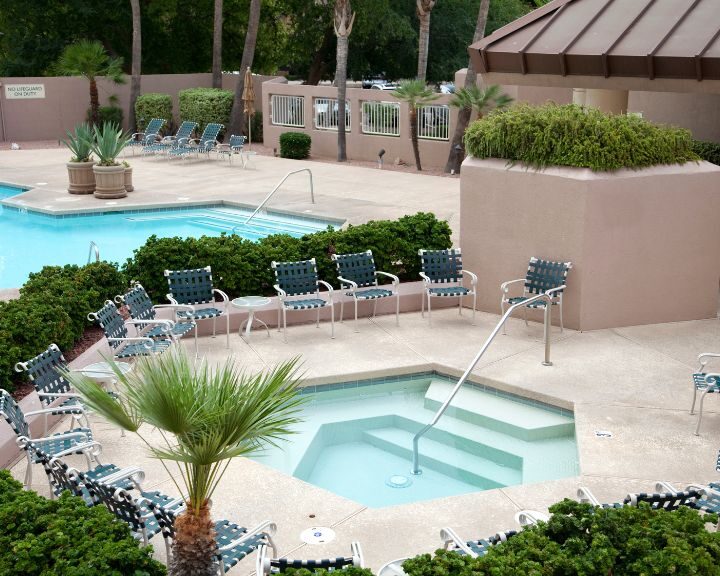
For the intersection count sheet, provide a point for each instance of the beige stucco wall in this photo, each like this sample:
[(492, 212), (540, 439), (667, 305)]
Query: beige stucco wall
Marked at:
[(645, 244)]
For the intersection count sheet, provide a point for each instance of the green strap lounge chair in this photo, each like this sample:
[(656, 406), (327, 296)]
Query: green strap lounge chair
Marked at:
[(706, 382), (443, 274), (233, 146), (472, 548), (301, 279), (266, 564), (203, 145), (194, 288), (359, 279), (181, 137), (669, 500), (147, 138), (543, 276), (707, 501)]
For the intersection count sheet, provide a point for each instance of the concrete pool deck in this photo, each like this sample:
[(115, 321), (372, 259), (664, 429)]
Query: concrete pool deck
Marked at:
[(633, 382)]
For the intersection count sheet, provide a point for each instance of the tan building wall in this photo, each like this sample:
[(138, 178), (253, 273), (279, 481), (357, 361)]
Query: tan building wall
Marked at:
[(645, 245)]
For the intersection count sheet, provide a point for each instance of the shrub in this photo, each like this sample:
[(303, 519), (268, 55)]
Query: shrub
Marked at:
[(64, 536), (153, 105), (206, 105), (570, 135), (113, 114), (295, 145), (708, 151), (257, 127), (348, 571)]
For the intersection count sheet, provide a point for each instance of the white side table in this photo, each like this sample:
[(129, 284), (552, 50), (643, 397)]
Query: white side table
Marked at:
[(103, 373), (393, 568), (251, 303)]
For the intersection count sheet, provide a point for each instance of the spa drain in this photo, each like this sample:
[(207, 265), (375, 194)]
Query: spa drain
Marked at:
[(398, 481)]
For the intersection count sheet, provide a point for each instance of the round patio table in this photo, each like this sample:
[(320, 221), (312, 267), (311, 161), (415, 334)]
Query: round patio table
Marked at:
[(103, 373), (251, 303), (392, 568)]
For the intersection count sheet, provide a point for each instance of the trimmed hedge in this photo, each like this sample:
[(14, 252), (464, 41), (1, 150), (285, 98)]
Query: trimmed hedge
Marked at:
[(295, 145), (708, 151), (242, 267), (571, 135), (206, 105), (42, 537), (153, 105), (113, 114)]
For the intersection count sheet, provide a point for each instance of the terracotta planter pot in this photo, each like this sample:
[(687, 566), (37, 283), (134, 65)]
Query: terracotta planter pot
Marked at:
[(81, 177), (110, 181), (128, 179)]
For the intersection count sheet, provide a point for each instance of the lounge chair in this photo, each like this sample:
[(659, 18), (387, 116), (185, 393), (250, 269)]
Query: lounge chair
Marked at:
[(233, 146), (543, 277), (301, 279), (442, 274), (473, 548), (708, 501), (266, 565), (705, 382), (359, 279), (668, 500), (203, 145), (169, 142), (234, 542), (147, 138)]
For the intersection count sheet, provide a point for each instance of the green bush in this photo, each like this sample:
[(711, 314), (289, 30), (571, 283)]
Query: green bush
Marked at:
[(570, 135), (44, 537), (153, 105), (113, 114), (242, 267), (349, 571), (205, 106), (295, 145), (257, 127), (582, 540), (708, 151)]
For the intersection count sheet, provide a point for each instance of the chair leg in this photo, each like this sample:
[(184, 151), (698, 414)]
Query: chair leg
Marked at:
[(422, 304), (356, 320), (342, 310), (196, 340), (28, 471), (375, 301), (279, 310), (227, 329), (214, 325), (460, 305), (397, 309), (430, 310), (474, 306), (502, 313), (692, 408), (525, 315), (317, 318), (702, 400), (332, 320), (284, 325), (562, 328)]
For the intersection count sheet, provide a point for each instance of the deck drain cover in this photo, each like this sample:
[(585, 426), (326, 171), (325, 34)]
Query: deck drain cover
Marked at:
[(317, 535), (398, 481)]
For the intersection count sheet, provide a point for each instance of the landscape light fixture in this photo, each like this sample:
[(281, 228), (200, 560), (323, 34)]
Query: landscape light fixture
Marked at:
[(458, 149), (381, 153)]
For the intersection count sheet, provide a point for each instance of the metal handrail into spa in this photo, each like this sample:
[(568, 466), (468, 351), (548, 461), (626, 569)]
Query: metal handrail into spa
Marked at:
[(93, 248), (312, 191)]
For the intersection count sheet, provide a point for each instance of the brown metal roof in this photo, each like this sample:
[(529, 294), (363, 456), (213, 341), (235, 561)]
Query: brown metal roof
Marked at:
[(628, 38)]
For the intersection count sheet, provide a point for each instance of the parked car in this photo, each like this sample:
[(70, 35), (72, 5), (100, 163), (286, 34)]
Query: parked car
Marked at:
[(370, 81), (447, 88), (386, 86)]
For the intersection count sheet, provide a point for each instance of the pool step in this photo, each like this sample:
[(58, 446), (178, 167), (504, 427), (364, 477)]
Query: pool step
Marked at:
[(499, 413)]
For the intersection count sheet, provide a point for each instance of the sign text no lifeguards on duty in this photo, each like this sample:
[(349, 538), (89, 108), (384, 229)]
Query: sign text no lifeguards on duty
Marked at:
[(17, 91)]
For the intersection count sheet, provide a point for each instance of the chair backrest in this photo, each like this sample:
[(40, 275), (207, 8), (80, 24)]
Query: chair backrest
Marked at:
[(58, 473), (13, 414), (165, 519), (442, 265), (297, 278), (236, 142), (358, 267), (543, 275), (210, 133), (43, 371), (154, 126), (117, 500), (138, 303), (267, 565), (665, 500), (186, 129), (191, 286), (111, 322)]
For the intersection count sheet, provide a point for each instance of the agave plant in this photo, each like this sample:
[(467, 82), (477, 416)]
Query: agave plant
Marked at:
[(80, 142), (109, 141), (205, 416)]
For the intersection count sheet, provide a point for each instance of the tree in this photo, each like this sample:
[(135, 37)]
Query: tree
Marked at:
[(237, 116), (217, 45), (480, 100), (424, 8), (343, 23), (136, 61), (205, 416), (417, 95), (88, 59)]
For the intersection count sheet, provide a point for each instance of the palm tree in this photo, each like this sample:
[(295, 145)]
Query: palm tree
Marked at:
[(237, 116), (480, 100), (217, 45), (417, 95), (136, 61), (87, 58), (423, 9), (343, 22), (205, 416)]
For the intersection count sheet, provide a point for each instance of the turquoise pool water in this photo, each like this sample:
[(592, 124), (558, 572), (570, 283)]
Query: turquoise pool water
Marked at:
[(29, 241), (356, 441), (6, 190)]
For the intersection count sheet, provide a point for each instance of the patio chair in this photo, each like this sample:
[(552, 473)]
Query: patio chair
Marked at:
[(141, 308), (708, 501), (442, 274), (301, 279), (194, 288), (543, 277), (147, 138), (472, 548), (203, 145), (667, 500), (73, 441), (233, 146), (169, 142), (358, 276), (705, 382), (116, 333), (266, 565), (234, 542)]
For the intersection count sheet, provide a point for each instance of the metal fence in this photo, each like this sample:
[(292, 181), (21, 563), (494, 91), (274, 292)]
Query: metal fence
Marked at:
[(326, 114), (287, 110), (381, 118), (433, 122)]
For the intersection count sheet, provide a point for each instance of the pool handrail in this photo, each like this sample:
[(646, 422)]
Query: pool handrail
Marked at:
[(93, 248), (312, 191), (547, 296)]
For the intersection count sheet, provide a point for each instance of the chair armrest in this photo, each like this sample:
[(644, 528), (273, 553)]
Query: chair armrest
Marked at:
[(357, 554), (504, 287), (703, 358), (712, 379), (182, 142), (56, 410), (195, 141), (84, 446), (168, 323), (473, 276), (168, 139), (395, 279), (60, 395), (132, 136), (530, 517), (176, 307), (267, 527), (329, 288), (65, 435), (585, 496), (352, 285), (148, 341), (172, 299), (222, 294), (425, 277), (552, 291), (137, 475), (449, 536), (280, 291), (223, 147)]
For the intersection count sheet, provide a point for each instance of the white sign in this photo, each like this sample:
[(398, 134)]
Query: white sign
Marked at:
[(17, 91)]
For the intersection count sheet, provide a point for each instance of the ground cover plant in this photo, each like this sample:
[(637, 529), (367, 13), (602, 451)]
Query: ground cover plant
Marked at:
[(571, 135), (708, 151)]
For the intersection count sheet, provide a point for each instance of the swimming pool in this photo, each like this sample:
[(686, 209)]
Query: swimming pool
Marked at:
[(356, 440), (8, 190), (29, 240)]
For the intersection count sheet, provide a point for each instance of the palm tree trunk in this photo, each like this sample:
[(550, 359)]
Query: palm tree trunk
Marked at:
[(94, 101), (341, 81), (237, 117), (136, 62), (424, 44), (194, 546), (414, 136), (455, 156), (217, 45)]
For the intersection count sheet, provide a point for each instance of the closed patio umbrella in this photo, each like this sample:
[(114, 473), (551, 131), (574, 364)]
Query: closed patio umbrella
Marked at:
[(248, 97)]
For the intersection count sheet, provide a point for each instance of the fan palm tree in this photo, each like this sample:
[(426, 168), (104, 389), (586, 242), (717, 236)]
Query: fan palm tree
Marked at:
[(423, 9), (135, 68), (343, 19), (88, 58), (206, 416), (217, 45), (417, 95), (237, 116)]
